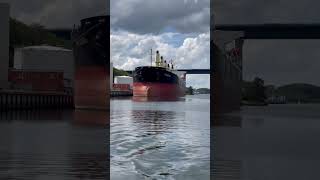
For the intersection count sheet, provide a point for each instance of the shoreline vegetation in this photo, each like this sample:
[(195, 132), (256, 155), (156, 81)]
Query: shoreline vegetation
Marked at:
[(193, 91), (35, 34), (22, 35), (255, 93)]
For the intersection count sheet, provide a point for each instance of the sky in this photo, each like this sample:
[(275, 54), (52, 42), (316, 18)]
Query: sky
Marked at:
[(179, 29), (56, 13), (278, 62)]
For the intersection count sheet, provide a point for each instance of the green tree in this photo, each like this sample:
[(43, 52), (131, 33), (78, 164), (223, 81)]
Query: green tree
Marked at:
[(119, 72), (259, 89), (254, 91), (190, 90)]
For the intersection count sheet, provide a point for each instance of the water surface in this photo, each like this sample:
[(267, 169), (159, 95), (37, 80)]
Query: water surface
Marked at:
[(47, 144), (268, 142), (160, 139)]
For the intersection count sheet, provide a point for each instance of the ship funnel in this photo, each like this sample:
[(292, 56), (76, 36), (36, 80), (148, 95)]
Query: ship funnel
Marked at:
[(161, 62)]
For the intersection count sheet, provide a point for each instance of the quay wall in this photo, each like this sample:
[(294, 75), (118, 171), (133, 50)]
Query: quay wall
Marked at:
[(33, 100)]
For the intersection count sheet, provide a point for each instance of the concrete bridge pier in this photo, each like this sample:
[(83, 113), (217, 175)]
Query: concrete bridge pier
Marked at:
[(92, 71), (4, 44), (226, 51)]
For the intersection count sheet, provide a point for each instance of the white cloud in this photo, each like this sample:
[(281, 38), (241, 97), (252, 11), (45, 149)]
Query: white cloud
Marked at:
[(56, 13), (179, 29), (129, 50), (198, 80), (153, 16)]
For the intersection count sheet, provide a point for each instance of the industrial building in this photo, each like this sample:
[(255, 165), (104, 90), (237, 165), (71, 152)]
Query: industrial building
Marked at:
[(37, 81), (4, 44), (43, 61), (120, 85), (124, 80), (45, 58)]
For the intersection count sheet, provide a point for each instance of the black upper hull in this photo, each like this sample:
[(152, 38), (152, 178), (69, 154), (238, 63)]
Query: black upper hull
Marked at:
[(91, 41), (155, 75)]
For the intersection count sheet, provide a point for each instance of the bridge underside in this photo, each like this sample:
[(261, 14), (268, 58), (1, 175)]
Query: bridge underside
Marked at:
[(226, 83), (275, 31), (226, 95)]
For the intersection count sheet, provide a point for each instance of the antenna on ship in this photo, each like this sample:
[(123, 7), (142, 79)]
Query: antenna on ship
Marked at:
[(151, 56)]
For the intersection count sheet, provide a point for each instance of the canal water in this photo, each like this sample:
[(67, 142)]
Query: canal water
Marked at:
[(160, 139), (58, 144), (268, 142)]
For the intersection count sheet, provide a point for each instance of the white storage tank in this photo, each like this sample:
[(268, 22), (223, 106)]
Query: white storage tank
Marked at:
[(4, 44), (45, 58), (123, 80)]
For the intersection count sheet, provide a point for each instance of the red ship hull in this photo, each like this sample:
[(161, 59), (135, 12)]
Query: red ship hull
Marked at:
[(91, 87), (159, 90)]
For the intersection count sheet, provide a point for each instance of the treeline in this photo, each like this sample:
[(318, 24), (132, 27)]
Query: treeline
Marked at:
[(190, 90), (31, 35), (254, 91), (297, 92), (119, 72)]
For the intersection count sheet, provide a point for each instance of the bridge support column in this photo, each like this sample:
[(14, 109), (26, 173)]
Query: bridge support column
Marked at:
[(91, 88), (4, 45), (92, 96), (227, 71), (92, 71)]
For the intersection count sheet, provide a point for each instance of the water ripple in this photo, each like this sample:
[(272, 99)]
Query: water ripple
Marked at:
[(159, 140)]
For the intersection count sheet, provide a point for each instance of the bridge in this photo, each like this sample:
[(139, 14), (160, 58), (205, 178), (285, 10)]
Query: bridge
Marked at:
[(274, 31), (189, 71), (195, 71), (251, 31), (227, 88)]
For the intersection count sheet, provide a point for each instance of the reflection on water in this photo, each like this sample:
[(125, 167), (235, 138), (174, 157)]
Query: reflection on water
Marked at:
[(160, 139), (59, 144), (156, 99), (271, 142)]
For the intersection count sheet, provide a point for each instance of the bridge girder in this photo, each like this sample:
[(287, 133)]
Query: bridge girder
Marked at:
[(274, 31)]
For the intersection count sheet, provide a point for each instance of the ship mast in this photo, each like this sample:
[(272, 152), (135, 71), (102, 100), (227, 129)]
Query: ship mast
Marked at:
[(151, 57)]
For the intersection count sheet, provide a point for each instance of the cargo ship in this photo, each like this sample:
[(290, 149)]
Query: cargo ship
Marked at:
[(91, 52), (159, 81)]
